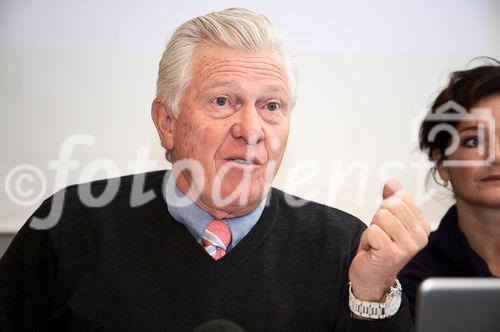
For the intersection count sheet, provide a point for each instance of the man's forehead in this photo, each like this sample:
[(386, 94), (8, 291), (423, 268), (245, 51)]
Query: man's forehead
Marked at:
[(220, 64)]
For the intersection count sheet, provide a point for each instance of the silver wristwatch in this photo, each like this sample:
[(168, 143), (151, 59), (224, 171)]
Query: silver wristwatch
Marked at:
[(375, 310)]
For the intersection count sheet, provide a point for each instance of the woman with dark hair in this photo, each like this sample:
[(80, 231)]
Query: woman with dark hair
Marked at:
[(461, 135)]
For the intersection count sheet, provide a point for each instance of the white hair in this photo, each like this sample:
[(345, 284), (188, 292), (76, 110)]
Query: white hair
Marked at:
[(235, 28)]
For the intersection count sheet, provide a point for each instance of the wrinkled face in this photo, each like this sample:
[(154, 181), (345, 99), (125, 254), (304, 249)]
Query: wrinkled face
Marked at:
[(233, 121), (478, 185)]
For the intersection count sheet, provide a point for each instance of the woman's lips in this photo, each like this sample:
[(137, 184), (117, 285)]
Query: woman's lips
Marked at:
[(491, 178)]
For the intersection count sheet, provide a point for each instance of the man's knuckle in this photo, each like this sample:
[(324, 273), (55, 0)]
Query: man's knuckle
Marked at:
[(421, 234), (373, 229), (383, 214), (413, 247)]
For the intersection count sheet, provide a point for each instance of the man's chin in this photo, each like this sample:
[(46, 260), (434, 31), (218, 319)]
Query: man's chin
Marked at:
[(236, 200)]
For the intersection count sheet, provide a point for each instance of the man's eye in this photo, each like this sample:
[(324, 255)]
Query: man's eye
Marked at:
[(272, 106), (221, 101)]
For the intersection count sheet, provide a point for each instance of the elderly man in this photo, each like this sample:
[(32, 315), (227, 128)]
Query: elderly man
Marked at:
[(213, 240)]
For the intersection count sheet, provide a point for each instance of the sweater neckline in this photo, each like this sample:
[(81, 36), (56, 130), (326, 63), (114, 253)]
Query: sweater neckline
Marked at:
[(196, 253)]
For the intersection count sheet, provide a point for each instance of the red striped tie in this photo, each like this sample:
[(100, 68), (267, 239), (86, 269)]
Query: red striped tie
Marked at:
[(216, 238)]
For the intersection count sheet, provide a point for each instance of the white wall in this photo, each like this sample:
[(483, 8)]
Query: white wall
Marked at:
[(368, 69)]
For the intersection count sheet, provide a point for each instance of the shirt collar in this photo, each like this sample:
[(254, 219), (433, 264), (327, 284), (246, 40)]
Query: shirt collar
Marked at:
[(196, 220)]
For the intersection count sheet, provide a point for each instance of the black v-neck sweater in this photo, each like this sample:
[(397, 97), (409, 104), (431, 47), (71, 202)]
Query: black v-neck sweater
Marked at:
[(123, 268)]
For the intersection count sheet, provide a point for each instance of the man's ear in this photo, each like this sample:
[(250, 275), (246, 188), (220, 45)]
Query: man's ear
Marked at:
[(437, 156), (163, 119)]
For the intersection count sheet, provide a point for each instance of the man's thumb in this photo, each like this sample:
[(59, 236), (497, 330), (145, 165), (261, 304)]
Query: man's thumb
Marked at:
[(391, 187)]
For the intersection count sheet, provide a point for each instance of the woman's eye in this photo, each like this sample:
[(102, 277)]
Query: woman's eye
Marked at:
[(221, 101), (272, 106), (471, 142)]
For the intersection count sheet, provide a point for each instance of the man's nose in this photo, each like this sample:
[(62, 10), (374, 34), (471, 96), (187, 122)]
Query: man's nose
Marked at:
[(248, 125)]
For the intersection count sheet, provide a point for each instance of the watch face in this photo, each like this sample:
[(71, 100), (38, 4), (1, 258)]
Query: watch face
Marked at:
[(392, 303)]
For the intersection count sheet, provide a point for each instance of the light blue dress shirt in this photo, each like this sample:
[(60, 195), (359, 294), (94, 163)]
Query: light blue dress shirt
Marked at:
[(196, 219)]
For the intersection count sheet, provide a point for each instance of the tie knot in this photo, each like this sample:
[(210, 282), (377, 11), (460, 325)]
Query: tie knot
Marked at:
[(217, 234)]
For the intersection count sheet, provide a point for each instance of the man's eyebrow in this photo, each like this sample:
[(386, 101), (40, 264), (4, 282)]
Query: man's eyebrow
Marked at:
[(276, 88), (272, 88), (218, 83)]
